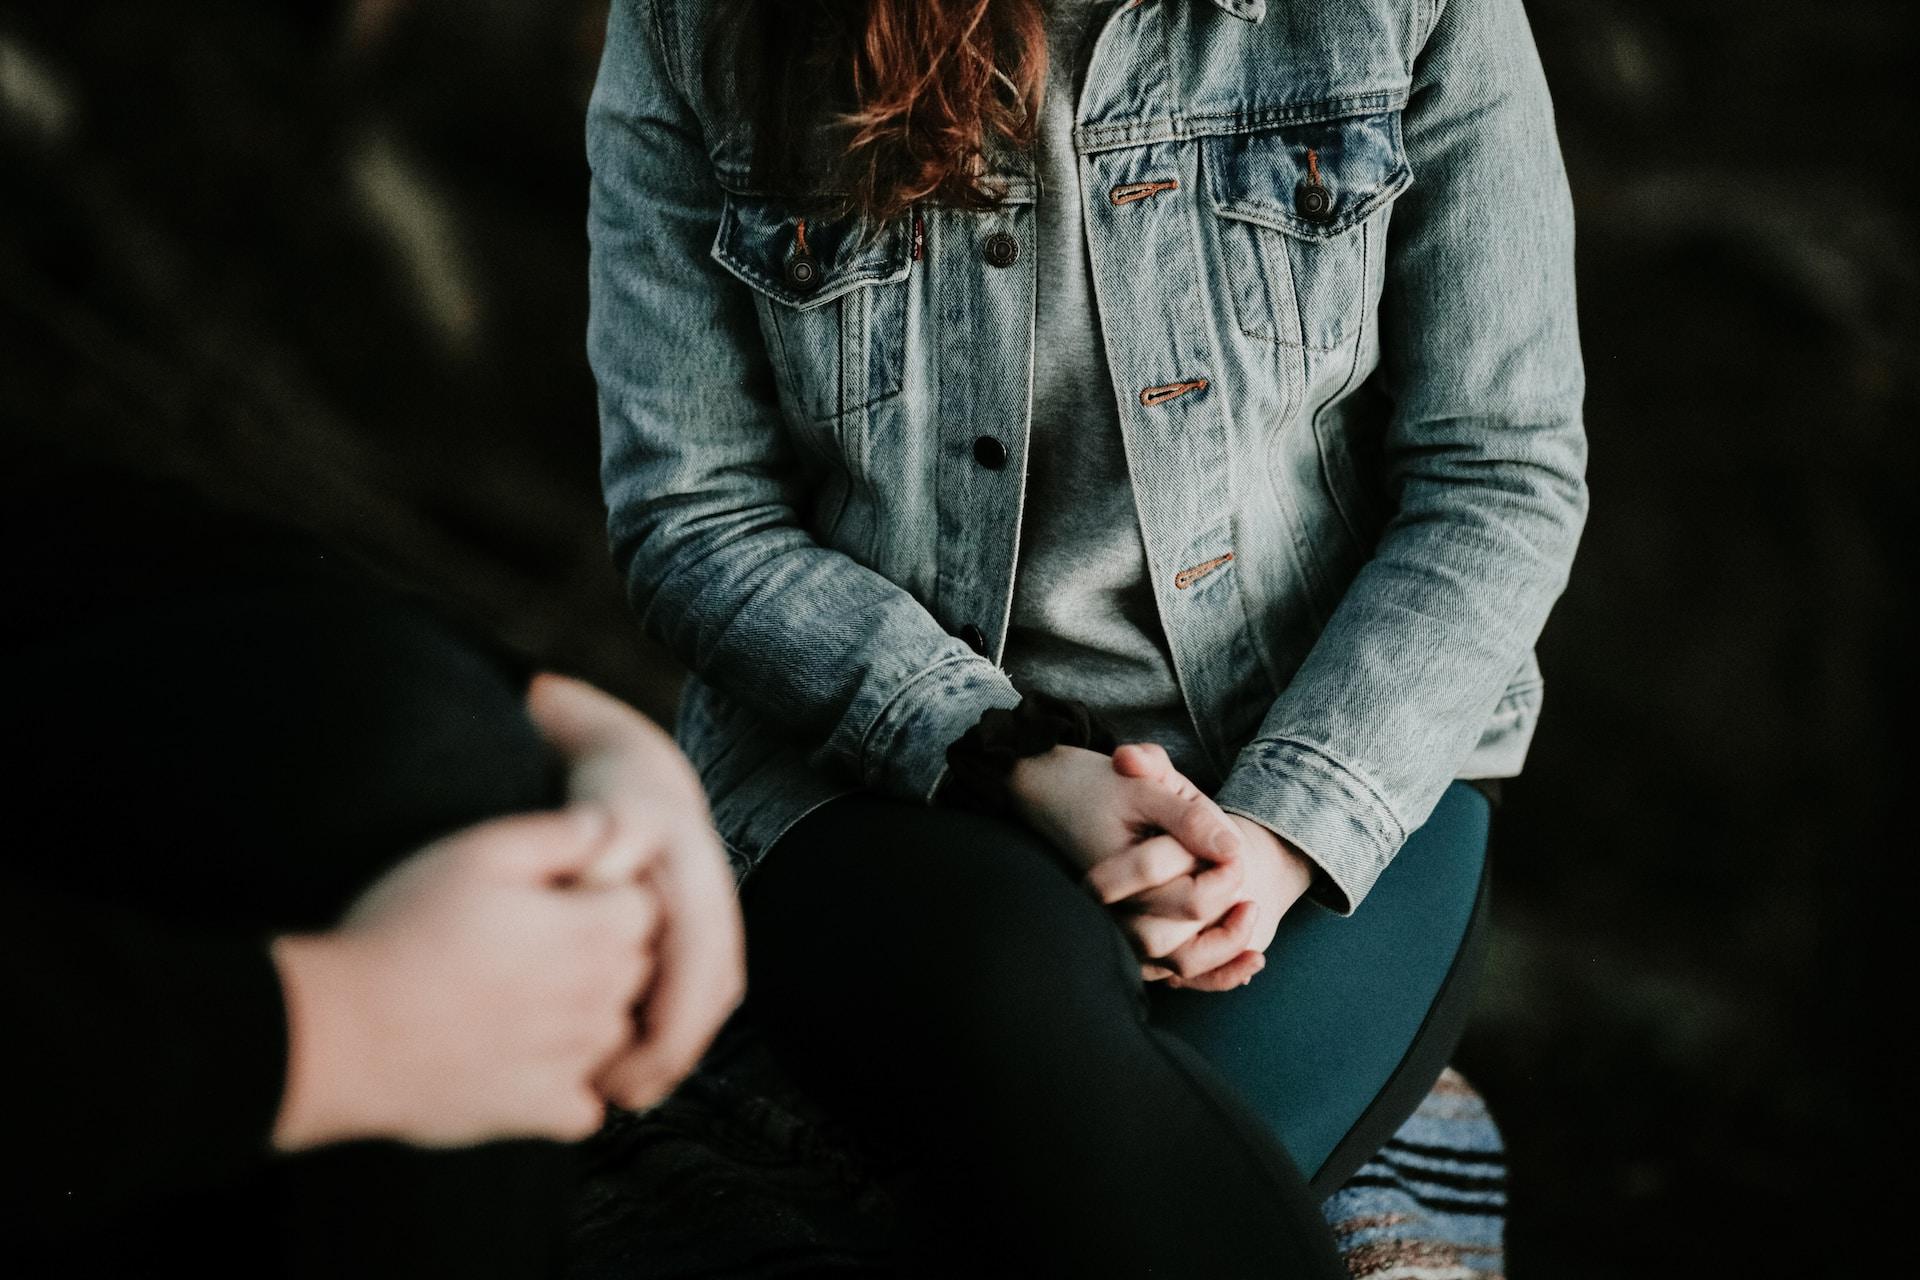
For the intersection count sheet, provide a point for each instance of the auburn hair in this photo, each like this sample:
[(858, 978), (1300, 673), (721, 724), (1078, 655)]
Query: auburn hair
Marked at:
[(872, 106)]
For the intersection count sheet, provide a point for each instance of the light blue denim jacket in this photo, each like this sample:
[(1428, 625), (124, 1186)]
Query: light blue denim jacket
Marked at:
[(1331, 247)]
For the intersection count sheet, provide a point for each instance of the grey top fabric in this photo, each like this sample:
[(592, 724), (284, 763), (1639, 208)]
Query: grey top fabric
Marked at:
[(1084, 622)]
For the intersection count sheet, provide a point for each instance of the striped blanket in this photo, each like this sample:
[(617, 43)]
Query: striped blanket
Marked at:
[(1432, 1204), (737, 1175)]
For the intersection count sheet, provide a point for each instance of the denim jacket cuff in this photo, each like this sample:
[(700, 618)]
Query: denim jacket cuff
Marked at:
[(905, 752), (1323, 809)]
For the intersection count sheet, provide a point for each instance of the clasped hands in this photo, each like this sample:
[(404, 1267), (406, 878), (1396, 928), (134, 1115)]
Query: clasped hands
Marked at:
[(1198, 891), (513, 978)]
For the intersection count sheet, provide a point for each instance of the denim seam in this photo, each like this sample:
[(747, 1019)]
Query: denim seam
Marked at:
[(1320, 442), (1520, 695), (1106, 137), (662, 24), (1277, 217), (887, 271), (1353, 784), (880, 717)]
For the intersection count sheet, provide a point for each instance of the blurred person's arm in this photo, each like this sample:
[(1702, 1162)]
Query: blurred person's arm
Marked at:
[(503, 982), (144, 1056), (473, 993)]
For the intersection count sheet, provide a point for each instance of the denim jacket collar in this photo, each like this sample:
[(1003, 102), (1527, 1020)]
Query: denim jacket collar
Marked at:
[(1251, 10)]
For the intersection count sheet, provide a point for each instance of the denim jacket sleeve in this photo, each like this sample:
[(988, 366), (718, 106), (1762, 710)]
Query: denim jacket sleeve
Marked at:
[(1485, 466), (700, 474)]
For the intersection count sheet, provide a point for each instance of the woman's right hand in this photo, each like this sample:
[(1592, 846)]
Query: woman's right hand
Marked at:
[(1154, 847)]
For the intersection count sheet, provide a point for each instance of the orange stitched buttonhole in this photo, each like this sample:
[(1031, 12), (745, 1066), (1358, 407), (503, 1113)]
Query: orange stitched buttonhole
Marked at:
[(1187, 577), (1128, 192), (800, 235), (1152, 396)]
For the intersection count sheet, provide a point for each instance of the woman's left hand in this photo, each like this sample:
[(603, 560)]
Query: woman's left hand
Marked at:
[(1227, 953), (1228, 950)]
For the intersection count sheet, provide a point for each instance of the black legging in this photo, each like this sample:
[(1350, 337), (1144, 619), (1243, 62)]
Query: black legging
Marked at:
[(942, 981)]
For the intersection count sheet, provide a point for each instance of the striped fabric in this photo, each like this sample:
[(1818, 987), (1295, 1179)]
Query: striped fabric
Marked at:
[(736, 1175), (1432, 1204)]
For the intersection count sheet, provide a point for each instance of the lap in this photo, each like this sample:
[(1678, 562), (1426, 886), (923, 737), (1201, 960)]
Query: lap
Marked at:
[(879, 915), (1316, 1039)]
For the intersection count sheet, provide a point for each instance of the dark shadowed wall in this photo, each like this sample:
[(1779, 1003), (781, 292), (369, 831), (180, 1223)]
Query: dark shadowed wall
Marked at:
[(327, 260)]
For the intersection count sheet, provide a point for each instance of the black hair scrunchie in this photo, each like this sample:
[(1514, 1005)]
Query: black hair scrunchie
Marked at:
[(980, 760)]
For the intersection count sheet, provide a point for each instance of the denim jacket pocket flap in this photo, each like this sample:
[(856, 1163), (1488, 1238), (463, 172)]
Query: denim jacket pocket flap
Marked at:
[(1314, 179), (805, 261)]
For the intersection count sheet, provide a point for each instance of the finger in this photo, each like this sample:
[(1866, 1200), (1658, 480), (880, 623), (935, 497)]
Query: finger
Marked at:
[(1193, 819), (1153, 937), (576, 1116), (641, 838), (1237, 972), (1150, 972), (1142, 760), (699, 978), (623, 919), (1216, 944), (1203, 897), (553, 846), (576, 717), (620, 759), (630, 1081), (1139, 867), (1148, 762)]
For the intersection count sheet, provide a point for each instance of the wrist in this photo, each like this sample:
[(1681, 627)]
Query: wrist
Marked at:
[(1000, 765), (1289, 870), (316, 1105), (1032, 779)]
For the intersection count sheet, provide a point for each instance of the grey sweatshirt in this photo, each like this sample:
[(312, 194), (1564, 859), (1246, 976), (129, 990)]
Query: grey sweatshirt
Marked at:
[(1085, 624)]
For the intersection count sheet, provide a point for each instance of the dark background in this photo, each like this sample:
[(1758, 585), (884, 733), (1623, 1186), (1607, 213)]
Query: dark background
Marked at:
[(327, 261)]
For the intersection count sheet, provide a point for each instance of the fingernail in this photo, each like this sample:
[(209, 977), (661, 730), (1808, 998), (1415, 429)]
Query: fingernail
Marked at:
[(1225, 840)]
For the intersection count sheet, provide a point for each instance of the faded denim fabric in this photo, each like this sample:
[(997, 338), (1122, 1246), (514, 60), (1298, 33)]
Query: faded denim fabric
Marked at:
[(1332, 253)]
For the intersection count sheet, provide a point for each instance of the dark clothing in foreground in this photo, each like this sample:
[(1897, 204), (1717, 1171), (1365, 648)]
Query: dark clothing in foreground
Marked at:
[(941, 979), (224, 733)]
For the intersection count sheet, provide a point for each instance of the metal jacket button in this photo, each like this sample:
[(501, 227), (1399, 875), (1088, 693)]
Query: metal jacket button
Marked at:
[(976, 638), (1002, 249), (989, 452), (802, 272), (1313, 201)]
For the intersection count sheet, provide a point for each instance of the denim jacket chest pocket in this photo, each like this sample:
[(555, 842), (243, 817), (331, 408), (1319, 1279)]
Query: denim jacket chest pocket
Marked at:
[(1302, 209), (831, 297)]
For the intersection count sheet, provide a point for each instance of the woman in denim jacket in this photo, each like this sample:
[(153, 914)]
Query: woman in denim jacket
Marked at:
[(1201, 371)]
